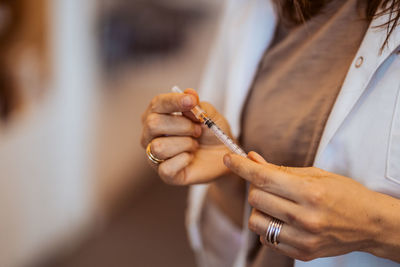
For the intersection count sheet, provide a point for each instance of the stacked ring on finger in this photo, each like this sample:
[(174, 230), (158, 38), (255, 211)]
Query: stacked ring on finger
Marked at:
[(273, 231), (151, 157)]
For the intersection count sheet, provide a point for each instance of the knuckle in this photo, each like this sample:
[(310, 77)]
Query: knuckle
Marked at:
[(304, 257), (254, 198), (191, 144), (206, 105), (194, 143), (187, 157), (166, 174), (192, 128), (317, 171), (152, 122), (143, 141), (143, 117), (157, 148), (283, 168), (262, 240), (260, 179), (291, 218), (154, 103), (209, 108), (310, 245), (316, 195), (252, 223), (314, 224)]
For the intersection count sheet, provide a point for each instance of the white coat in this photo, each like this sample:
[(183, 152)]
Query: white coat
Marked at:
[(361, 139)]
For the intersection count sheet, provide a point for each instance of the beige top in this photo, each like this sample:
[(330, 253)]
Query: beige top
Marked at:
[(296, 86)]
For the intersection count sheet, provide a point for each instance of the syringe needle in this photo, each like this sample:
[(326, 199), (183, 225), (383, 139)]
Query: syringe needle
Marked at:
[(201, 115)]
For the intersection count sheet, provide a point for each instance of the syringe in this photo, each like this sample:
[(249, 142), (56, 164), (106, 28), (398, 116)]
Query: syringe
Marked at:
[(201, 115)]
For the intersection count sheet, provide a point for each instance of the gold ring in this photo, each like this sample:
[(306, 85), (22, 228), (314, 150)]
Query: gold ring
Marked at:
[(151, 157)]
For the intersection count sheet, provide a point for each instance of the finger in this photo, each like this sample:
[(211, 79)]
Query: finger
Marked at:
[(212, 113), (286, 250), (172, 171), (289, 235), (193, 92), (167, 147), (275, 206), (304, 171), (172, 102), (207, 165), (267, 177), (157, 125), (257, 157), (189, 114)]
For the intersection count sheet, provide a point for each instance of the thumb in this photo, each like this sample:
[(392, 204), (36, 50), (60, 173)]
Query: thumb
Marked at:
[(189, 114), (254, 156), (192, 92), (207, 107), (295, 170)]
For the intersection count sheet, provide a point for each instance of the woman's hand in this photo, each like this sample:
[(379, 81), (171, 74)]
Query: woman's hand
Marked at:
[(324, 214), (192, 153)]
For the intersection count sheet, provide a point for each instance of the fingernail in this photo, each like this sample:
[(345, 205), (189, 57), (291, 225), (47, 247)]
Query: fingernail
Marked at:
[(197, 130), (227, 160), (187, 101)]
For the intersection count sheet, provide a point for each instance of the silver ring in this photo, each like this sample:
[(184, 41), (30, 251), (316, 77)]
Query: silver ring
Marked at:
[(151, 157), (277, 233), (273, 231)]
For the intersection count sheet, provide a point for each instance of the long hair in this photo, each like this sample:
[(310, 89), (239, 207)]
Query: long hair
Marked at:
[(299, 11), (11, 24), (22, 28)]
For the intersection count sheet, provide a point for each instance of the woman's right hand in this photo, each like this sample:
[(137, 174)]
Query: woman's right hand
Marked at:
[(191, 152)]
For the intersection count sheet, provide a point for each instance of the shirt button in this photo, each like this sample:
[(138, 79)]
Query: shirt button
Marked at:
[(359, 62)]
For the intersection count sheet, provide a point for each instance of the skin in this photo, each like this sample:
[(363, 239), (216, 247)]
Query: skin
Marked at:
[(192, 154), (324, 214)]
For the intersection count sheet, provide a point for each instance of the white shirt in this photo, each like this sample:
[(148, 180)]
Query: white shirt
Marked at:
[(370, 95)]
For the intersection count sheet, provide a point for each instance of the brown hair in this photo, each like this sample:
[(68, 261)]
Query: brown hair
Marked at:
[(11, 23), (299, 11), (23, 26)]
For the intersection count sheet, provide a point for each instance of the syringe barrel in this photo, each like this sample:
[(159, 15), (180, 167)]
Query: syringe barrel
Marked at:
[(201, 115), (227, 141)]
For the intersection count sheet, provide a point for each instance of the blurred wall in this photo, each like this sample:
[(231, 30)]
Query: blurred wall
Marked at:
[(121, 161), (66, 161), (45, 153)]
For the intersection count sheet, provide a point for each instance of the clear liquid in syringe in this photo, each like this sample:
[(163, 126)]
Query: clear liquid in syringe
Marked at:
[(227, 141)]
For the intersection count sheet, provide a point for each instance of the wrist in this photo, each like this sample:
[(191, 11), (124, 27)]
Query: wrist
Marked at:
[(385, 222)]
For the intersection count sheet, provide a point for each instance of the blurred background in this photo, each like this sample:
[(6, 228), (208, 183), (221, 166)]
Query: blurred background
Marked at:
[(75, 77)]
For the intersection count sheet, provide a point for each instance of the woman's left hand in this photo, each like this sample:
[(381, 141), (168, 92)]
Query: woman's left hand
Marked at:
[(324, 214)]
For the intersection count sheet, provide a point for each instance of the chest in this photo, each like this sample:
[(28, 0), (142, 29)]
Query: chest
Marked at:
[(366, 146)]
